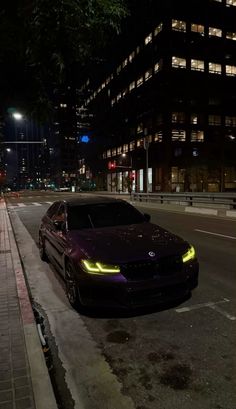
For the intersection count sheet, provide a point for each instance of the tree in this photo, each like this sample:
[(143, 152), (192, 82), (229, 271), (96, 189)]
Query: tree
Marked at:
[(46, 43)]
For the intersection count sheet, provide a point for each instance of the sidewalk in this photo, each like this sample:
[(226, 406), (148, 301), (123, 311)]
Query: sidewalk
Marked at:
[(24, 379)]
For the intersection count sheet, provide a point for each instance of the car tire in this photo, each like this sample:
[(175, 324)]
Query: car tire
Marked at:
[(42, 252), (72, 291)]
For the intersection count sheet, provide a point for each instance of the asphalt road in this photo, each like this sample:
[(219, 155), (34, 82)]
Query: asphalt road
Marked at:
[(182, 356)]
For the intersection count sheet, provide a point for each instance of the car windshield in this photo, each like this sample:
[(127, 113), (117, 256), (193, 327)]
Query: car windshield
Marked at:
[(102, 215)]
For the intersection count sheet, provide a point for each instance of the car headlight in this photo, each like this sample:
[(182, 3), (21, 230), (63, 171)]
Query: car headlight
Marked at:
[(96, 267), (189, 255)]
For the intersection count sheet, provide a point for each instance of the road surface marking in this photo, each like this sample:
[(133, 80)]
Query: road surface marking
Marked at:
[(36, 204), (49, 202), (202, 305), (212, 305), (216, 234), (21, 204), (221, 311)]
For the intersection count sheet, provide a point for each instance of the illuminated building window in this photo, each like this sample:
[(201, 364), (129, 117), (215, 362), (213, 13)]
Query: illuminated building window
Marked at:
[(230, 121), (215, 32), (158, 29), (178, 135), (113, 152), (231, 36), (197, 65), (119, 150), (230, 70), (107, 80), (139, 143), (113, 101), (148, 39), (178, 117), (125, 92), (125, 148), (131, 56), (124, 63), (148, 74), (139, 81), (178, 62), (158, 66), (194, 119), (139, 128), (118, 70), (132, 85), (109, 153), (197, 136), (103, 85), (158, 136), (197, 28), (178, 25), (132, 146), (119, 96), (137, 50), (214, 119), (230, 3), (219, 1), (63, 105), (215, 68)]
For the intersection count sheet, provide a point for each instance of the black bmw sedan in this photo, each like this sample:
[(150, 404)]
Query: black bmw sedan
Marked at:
[(111, 255)]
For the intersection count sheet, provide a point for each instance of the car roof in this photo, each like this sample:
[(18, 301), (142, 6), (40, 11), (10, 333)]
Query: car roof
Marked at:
[(78, 201)]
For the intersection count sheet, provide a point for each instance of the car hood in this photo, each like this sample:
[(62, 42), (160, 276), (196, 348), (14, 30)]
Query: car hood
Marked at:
[(120, 244)]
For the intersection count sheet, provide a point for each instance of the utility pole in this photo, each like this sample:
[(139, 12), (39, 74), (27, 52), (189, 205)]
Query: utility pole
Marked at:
[(146, 146)]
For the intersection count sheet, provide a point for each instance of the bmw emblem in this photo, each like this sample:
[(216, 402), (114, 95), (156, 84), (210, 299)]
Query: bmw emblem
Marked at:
[(151, 254)]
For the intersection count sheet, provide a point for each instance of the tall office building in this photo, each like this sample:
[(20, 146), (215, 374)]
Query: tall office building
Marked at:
[(63, 138), (165, 115), (26, 164)]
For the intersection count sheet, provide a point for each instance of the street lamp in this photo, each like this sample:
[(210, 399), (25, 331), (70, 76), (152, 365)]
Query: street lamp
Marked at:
[(124, 155), (17, 115), (146, 146)]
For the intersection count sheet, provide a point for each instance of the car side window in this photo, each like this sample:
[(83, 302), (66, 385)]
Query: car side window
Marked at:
[(60, 215), (53, 209)]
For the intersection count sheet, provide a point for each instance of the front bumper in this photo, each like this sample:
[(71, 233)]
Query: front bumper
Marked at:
[(116, 291)]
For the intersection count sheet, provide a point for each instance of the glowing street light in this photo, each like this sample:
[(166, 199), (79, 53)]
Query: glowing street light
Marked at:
[(17, 116)]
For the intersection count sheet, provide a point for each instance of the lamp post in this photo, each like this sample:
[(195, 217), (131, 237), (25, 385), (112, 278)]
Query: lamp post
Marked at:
[(146, 146)]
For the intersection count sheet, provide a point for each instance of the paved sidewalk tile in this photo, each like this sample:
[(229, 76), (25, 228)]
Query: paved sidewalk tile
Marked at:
[(15, 382)]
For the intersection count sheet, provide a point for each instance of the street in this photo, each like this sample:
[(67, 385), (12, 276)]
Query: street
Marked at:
[(179, 356)]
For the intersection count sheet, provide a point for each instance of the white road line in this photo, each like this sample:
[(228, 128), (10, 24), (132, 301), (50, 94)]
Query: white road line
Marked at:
[(36, 204), (202, 305), (49, 202), (226, 314), (216, 234), (212, 305), (21, 205)]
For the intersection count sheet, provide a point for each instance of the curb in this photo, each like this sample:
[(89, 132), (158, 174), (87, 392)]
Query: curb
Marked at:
[(222, 213), (41, 384)]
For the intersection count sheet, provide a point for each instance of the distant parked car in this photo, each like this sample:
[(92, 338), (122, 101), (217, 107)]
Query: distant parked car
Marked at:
[(62, 189), (111, 255)]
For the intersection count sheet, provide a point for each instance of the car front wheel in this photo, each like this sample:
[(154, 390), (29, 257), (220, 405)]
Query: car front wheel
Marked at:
[(72, 292), (42, 251)]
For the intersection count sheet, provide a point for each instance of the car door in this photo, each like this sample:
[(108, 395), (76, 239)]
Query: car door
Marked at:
[(58, 236), (48, 227)]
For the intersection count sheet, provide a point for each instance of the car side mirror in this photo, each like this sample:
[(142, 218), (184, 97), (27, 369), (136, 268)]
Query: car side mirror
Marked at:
[(147, 217), (58, 224)]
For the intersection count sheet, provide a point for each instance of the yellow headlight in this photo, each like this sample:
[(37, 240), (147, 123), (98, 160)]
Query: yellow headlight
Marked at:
[(95, 267), (191, 254)]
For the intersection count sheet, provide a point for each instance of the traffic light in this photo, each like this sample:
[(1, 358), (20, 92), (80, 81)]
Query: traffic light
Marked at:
[(112, 165)]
